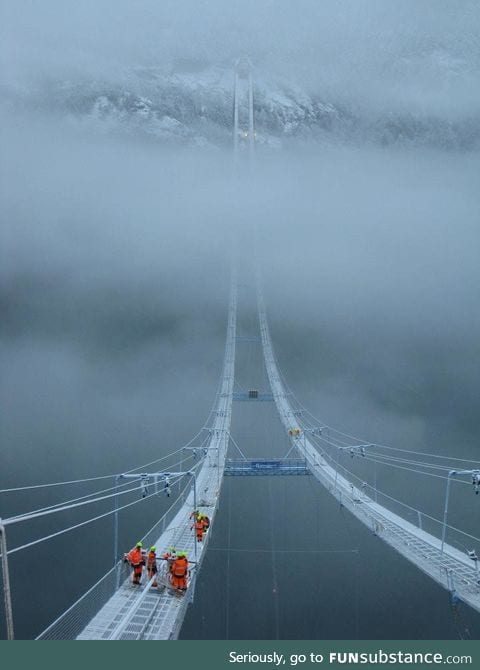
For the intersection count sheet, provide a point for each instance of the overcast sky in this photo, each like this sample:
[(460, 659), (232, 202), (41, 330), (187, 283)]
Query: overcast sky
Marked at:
[(389, 239), (422, 52)]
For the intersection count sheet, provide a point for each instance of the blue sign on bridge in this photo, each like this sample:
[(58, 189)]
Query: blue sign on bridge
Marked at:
[(285, 466)]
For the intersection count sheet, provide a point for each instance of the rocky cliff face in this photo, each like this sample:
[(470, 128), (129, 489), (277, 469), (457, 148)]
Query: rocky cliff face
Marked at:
[(193, 104)]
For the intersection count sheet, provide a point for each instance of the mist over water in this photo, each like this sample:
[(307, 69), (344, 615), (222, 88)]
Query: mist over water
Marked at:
[(115, 271)]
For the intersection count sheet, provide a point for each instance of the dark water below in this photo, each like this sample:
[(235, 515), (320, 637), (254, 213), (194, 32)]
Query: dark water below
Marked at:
[(284, 560)]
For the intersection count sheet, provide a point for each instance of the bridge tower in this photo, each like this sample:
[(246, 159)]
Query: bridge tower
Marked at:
[(243, 119)]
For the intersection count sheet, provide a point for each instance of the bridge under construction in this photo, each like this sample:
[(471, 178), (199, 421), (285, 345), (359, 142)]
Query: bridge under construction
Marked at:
[(114, 609)]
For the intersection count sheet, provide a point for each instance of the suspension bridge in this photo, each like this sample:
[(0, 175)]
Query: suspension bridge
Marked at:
[(190, 479)]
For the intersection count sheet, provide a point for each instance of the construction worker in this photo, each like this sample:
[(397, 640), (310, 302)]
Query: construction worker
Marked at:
[(152, 565), (206, 522), (199, 529), (169, 556), (137, 560), (179, 571), (169, 553)]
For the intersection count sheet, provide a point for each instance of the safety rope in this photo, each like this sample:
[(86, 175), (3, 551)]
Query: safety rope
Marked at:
[(27, 517), (78, 525), (92, 479), (321, 424)]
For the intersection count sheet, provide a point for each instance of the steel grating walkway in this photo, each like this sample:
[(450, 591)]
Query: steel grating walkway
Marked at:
[(134, 613), (151, 613), (157, 613), (452, 569)]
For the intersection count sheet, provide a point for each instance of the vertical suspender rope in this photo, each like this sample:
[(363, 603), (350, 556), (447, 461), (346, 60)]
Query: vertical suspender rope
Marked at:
[(275, 593), (7, 596), (227, 596)]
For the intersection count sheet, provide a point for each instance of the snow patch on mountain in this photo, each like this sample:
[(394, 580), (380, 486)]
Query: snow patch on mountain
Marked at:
[(192, 103)]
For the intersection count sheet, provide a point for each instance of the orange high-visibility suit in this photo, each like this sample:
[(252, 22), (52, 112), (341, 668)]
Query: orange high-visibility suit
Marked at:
[(137, 561), (206, 523), (152, 566), (179, 571), (199, 528)]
